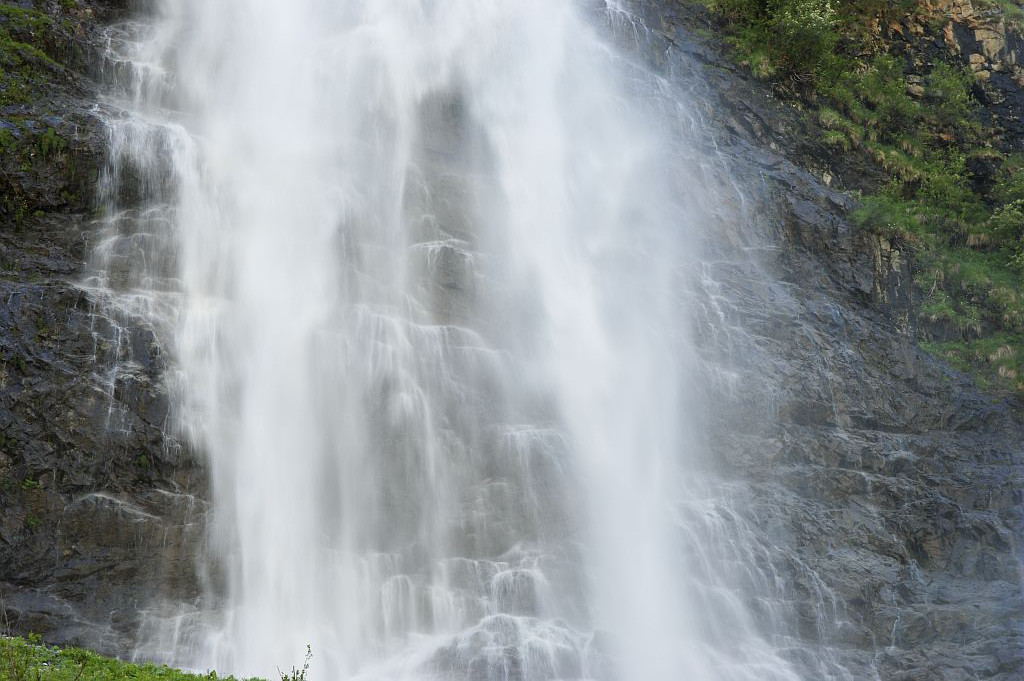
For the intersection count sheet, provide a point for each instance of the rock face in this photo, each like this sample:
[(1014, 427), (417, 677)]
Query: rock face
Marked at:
[(884, 484), (888, 486), (979, 36), (94, 501)]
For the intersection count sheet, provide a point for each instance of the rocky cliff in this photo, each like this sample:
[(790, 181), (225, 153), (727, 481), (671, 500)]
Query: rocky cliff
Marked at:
[(885, 483), (888, 481), (93, 498)]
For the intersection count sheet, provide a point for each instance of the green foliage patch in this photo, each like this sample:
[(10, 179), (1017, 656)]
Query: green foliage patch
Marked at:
[(30, 660), (1010, 9), (996, 360), (29, 50), (924, 131), (51, 143)]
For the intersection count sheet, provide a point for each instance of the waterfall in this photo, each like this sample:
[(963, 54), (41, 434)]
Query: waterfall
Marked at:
[(427, 272)]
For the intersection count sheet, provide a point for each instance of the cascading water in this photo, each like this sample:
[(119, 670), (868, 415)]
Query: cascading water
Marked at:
[(424, 269)]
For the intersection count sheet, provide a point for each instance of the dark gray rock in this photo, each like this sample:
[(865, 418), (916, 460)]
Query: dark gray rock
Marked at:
[(96, 504), (881, 476)]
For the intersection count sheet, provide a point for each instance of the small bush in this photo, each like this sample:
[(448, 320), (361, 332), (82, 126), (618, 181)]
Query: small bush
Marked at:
[(949, 89)]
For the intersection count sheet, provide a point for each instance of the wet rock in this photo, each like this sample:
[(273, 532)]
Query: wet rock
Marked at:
[(983, 172), (95, 500), (891, 481)]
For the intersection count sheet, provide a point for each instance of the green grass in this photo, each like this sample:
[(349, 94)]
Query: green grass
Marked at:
[(997, 361), (51, 143), (24, 660)]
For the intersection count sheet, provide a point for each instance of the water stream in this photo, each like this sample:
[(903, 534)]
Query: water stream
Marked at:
[(428, 273)]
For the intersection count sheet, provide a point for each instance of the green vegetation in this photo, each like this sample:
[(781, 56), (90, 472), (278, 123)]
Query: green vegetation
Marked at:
[(299, 674), (33, 45), (803, 41), (957, 200), (30, 43), (50, 143), (996, 359), (7, 140), (1011, 9), (30, 660)]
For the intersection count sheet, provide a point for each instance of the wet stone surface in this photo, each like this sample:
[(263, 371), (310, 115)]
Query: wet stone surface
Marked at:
[(96, 504), (890, 484)]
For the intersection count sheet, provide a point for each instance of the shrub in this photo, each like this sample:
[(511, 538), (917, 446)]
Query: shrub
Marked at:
[(949, 89)]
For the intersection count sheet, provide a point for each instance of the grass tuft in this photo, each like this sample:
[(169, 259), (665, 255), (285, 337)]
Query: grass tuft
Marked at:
[(31, 660)]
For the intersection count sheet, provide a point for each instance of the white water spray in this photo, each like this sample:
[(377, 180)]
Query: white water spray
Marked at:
[(421, 269)]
